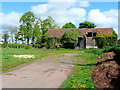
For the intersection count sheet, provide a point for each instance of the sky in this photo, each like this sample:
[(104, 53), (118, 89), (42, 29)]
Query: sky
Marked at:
[(103, 14)]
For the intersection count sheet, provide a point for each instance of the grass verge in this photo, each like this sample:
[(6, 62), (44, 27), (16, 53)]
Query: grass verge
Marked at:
[(81, 75)]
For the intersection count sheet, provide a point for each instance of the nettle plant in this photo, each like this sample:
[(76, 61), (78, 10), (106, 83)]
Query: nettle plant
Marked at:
[(103, 40)]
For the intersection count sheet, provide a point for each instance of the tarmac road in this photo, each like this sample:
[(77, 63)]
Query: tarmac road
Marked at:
[(49, 72)]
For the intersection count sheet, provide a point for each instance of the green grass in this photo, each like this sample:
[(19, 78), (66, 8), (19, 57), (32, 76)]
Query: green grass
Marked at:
[(10, 63), (81, 75)]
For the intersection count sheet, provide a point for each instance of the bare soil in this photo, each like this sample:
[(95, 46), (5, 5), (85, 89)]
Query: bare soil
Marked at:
[(106, 74)]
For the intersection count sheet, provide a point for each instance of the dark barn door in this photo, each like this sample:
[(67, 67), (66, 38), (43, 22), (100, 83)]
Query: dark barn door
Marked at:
[(81, 43)]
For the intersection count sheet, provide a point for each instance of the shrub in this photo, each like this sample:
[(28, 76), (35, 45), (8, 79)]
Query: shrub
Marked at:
[(53, 43), (116, 49), (70, 39), (18, 46), (28, 47), (4, 45), (37, 46), (103, 40)]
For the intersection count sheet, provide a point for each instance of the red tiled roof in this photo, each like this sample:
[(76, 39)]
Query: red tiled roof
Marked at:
[(84, 31)]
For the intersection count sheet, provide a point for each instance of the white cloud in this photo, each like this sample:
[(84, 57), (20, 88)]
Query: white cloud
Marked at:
[(11, 19), (39, 9), (62, 11), (84, 4), (104, 19)]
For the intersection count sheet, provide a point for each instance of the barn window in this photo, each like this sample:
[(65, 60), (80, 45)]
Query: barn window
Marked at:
[(94, 34), (89, 34)]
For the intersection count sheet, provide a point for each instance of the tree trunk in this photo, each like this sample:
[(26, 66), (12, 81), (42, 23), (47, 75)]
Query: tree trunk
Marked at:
[(27, 41)]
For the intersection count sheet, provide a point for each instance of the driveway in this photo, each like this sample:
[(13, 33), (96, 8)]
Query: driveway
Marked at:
[(49, 72)]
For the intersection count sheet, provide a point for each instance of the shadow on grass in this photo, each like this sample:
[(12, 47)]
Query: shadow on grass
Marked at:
[(91, 64)]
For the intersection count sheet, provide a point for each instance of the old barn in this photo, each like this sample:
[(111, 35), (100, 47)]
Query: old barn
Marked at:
[(86, 37)]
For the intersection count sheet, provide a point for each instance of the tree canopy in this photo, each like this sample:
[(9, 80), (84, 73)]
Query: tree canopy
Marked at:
[(87, 24), (69, 25), (48, 23), (26, 26), (37, 34)]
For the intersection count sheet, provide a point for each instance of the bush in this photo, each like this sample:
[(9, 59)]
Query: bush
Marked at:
[(37, 46), (4, 45), (70, 39), (103, 40), (18, 46), (28, 47), (53, 43), (116, 49)]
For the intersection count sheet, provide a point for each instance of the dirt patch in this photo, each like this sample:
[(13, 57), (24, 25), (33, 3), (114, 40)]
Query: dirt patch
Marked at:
[(106, 73), (11, 74), (24, 56)]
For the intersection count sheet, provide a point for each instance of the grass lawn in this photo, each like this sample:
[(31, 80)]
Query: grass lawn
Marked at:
[(10, 63), (81, 76)]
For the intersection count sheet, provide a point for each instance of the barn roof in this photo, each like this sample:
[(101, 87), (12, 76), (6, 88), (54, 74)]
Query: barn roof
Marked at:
[(84, 31)]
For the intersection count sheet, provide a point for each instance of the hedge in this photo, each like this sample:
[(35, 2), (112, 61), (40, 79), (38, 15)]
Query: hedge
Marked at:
[(17, 46)]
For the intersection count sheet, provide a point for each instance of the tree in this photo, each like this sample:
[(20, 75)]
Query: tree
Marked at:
[(5, 38), (13, 31), (21, 37), (48, 23), (70, 39), (36, 37), (45, 38), (26, 26), (87, 25), (16, 38), (69, 25)]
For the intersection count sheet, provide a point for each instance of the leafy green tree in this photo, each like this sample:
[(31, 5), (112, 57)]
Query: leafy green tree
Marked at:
[(48, 23), (45, 38), (87, 25), (69, 25), (5, 38), (21, 37), (70, 39), (36, 37), (26, 26), (16, 38)]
